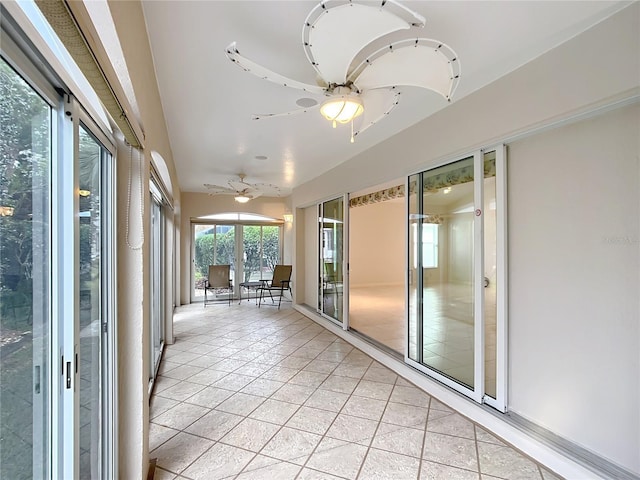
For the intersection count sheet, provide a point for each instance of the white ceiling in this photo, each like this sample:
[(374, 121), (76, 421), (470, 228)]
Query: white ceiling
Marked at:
[(208, 101)]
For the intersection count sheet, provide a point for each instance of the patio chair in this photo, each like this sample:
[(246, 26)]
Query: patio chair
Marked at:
[(217, 282), (280, 282)]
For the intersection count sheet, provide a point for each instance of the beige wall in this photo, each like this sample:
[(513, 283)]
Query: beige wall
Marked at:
[(376, 244), (573, 210), (574, 255), (133, 264), (196, 205)]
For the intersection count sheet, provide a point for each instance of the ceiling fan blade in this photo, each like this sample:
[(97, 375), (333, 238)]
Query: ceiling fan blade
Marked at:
[(218, 190), (267, 189), (239, 186), (336, 30), (259, 116), (266, 74), (377, 104), (419, 62)]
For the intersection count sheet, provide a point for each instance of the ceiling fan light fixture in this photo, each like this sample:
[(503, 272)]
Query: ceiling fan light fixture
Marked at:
[(242, 198), (342, 109)]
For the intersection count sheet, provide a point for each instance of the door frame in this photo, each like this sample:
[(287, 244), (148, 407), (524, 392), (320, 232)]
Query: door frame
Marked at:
[(477, 393)]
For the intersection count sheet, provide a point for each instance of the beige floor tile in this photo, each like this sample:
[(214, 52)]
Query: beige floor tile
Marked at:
[(214, 425), (160, 405), (278, 382), (410, 396), (158, 434), (321, 366), (337, 458), (397, 439), (453, 451), (207, 376), (297, 394), (339, 384), (308, 379), (161, 474), (250, 434), (364, 407), (180, 416), (281, 374), (309, 474), (375, 390), (291, 445), (279, 471), (352, 371), (453, 424), (233, 381), (178, 452), (437, 471), (327, 400), (382, 465), (220, 461), (274, 411), (312, 420), (405, 415), (352, 429), (262, 387), (505, 462), (209, 397), (182, 372)]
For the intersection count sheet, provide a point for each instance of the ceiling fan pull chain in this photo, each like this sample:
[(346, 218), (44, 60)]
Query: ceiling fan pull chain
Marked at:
[(334, 124), (352, 140)]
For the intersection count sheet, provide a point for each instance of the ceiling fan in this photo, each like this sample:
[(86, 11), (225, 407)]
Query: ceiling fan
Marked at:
[(357, 76), (244, 191)]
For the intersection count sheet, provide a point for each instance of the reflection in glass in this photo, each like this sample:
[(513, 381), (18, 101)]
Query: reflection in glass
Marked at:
[(90, 305), (441, 270), (25, 160), (156, 258), (414, 281), (331, 253)]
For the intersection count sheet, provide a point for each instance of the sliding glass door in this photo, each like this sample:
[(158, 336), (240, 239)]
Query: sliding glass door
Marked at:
[(252, 250), (456, 275), (331, 298), (25, 272), (56, 280)]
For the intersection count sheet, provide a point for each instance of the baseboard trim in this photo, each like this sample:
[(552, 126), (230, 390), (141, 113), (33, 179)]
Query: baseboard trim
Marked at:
[(562, 460)]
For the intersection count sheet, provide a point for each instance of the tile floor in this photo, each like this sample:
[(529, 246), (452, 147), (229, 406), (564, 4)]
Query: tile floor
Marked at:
[(248, 393)]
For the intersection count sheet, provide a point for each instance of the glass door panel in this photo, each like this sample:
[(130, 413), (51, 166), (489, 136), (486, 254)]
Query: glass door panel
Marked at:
[(445, 234), (25, 162), (212, 245), (90, 284), (156, 262), (261, 252), (456, 280), (331, 258)]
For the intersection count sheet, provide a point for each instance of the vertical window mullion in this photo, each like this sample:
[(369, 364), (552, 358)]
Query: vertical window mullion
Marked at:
[(478, 276), (65, 288)]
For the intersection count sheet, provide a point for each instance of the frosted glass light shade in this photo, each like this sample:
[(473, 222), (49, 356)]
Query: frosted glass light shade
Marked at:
[(241, 198), (342, 109)]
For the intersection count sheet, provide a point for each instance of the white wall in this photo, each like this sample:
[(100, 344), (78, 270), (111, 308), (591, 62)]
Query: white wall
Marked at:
[(578, 376), (574, 254), (376, 244)]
